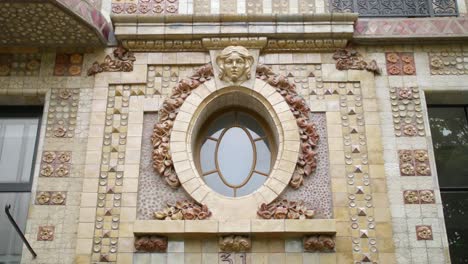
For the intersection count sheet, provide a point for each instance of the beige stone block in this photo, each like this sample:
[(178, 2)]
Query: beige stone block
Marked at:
[(127, 214), (87, 215), (287, 166), (259, 258), (98, 119), (234, 226), (293, 145), (160, 226), (376, 171), (85, 230), (83, 245), (186, 175), (293, 257), (124, 258), (276, 186), (201, 226), (93, 157), (191, 185), (94, 143), (99, 105), (138, 75), (126, 229), (266, 226), (337, 171), (179, 156), (178, 147), (210, 258), (339, 185), (90, 186), (195, 258), (290, 155), (88, 199), (336, 157), (333, 118), (335, 131), (126, 245), (314, 225), (130, 185), (380, 200), (282, 176), (278, 258), (131, 170), (178, 135), (200, 193), (335, 144), (132, 156), (135, 130), (129, 199), (384, 230), (327, 258), (268, 194), (188, 108)]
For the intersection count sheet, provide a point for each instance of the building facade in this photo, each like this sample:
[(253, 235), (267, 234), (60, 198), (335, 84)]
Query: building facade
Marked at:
[(250, 131)]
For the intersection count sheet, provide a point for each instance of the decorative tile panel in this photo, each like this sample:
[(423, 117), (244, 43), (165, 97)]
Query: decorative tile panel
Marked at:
[(228, 7), (424, 232), (107, 223), (46, 233), (51, 198), (414, 163), (419, 197), (400, 63), (145, 7), (302, 75), (20, 64), (280, 6), (55, 164), (68, 64), (161, 78), (407, 112), (359, 196), (63, 108), (306, 6), (448, 63), (411, 27), (254, 6), (202, 7)]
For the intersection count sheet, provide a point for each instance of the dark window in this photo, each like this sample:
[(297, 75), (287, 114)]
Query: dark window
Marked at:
[(19, 130), (396, 8), (449, 128)]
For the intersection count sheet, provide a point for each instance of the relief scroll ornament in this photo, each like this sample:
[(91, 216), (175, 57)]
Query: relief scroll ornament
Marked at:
[(123, 62), (234, 64), (234, 243)]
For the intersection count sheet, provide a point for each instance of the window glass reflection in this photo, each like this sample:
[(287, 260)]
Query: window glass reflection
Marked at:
[(235, 156)]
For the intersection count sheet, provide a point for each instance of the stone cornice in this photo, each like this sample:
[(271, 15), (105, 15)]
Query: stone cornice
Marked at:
[(314, 32)]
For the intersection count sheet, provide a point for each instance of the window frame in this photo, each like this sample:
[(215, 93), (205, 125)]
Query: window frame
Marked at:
[(203, 135), (23, 112)]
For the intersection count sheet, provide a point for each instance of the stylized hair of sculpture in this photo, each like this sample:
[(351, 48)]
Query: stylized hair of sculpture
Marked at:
[(243, 53)]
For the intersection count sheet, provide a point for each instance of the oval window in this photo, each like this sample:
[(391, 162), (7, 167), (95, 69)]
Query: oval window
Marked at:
[(235, 156)]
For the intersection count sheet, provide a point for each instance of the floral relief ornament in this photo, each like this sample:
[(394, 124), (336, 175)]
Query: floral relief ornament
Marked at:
[(234, 243), (151, 243), (424, 232), (350, 59), (319, 243), (45, 233), (427, 196), (284, 209), (43, 198), (162, 159), (183, 210), (48, 157), (234, 64), (123, 61), (306, 163)]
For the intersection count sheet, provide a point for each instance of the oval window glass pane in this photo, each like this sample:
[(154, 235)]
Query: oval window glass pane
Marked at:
[(215, 182), (225, 120), (254, 183), (235, 156), (251, 124), (207, 156), (263, 156)]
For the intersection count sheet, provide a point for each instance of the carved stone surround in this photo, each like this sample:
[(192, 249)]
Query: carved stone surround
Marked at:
[(310, 32)]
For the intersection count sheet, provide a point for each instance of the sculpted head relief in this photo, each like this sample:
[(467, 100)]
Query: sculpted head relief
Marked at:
[(234, 64)]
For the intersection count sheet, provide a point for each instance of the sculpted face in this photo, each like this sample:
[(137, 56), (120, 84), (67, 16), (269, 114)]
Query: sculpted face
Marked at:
[(234, 64)]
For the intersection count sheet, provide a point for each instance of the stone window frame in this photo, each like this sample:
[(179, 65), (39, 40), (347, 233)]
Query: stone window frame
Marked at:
[(184, 163)]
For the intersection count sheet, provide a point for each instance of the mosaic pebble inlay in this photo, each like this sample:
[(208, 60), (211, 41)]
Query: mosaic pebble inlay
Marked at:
[(407, 112), (63, 108), (448, 63)]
